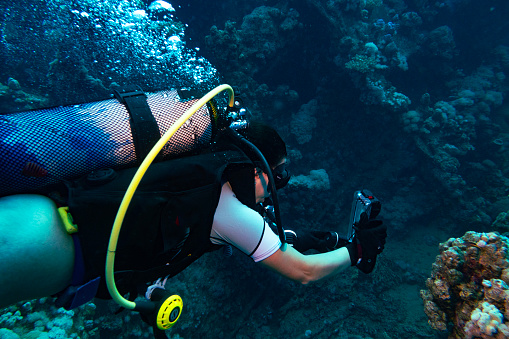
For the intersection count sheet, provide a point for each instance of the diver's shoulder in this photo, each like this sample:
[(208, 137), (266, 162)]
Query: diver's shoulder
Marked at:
[(28, 200)]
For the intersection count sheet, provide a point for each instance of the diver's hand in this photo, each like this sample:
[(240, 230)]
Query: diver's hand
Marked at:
[(321, 241), (369, 241)]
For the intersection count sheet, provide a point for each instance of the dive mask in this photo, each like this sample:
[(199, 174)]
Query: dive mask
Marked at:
[(281, 175)]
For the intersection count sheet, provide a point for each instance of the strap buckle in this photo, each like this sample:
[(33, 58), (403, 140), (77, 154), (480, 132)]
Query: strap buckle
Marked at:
[(127, 92)]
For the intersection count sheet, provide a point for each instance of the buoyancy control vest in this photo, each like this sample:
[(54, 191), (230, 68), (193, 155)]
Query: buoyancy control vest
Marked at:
[(168, 224)]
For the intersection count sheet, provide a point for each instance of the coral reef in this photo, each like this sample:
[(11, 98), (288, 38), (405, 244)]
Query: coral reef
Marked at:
[(362, 63), (304, 121), (486, 321), (13, 94), (501, 223), (316, 180), (467, 293), (449, 131), (40, 319)]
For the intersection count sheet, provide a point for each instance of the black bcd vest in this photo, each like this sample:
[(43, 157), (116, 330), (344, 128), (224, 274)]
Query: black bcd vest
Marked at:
[(167, 225)]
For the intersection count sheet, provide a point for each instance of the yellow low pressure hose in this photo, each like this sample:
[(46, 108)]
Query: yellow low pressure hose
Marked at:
[(112, 246)]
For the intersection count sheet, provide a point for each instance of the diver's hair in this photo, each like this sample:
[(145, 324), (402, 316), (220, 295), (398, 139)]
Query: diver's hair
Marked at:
[(267, 140)]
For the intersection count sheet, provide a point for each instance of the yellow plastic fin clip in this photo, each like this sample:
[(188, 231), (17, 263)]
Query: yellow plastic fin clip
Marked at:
[(67, 219)]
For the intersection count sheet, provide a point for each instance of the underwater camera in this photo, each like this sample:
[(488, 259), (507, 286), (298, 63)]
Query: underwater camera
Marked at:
[(363, 202)]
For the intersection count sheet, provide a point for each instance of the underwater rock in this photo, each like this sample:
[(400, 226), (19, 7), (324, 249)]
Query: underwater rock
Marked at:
[(467, 291), (4, 90), (410, 120), (411, 19), (260, 33), (13, 84), (8, 334), (501, 223), (442, 42), (304, 122), (161, 6), (395, 101), (316, 180), (362, 63)]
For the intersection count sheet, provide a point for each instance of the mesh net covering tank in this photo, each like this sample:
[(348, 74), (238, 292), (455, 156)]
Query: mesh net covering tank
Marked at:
[(39, 148)]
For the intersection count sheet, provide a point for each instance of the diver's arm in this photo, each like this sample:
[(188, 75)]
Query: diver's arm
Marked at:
[(306, 268)]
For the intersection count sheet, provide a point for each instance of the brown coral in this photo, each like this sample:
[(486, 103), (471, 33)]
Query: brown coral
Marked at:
[(469, 273)]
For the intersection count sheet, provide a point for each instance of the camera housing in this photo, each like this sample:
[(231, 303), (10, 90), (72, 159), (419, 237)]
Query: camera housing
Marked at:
[(363, 202)]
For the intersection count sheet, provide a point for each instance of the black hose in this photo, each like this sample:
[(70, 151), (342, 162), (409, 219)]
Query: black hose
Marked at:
[(266, 168)]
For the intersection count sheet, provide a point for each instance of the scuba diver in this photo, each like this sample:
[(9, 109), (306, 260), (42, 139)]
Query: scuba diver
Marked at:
[(59, 232)]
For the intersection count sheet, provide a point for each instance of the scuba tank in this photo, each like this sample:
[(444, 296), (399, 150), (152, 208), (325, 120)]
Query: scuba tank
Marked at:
[(44, 147)]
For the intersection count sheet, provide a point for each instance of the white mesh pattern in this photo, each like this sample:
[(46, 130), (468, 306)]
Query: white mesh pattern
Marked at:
[(68, 142), (166, 108)]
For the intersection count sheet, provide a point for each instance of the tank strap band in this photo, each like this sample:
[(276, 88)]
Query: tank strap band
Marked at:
[(144, 127)]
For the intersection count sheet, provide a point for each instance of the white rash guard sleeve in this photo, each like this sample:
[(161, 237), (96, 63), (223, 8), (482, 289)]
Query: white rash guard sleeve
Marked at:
[(238, 225)]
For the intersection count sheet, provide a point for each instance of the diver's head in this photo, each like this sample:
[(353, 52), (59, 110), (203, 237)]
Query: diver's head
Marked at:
[(273, 148), (267, 140), (262, 188)]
